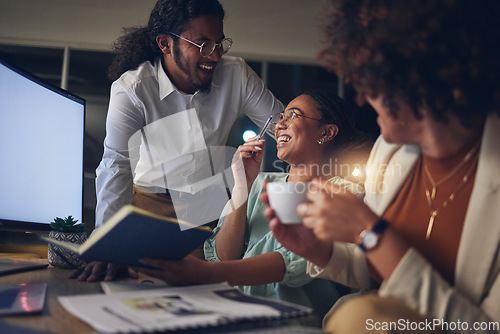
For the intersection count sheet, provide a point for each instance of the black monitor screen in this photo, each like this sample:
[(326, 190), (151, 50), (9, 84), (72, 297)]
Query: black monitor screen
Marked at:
[(41, 151)]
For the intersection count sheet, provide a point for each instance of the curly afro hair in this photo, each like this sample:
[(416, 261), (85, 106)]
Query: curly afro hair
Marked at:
[(439, 54)]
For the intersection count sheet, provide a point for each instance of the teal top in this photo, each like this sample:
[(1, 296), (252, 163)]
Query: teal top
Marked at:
[(297, 286)]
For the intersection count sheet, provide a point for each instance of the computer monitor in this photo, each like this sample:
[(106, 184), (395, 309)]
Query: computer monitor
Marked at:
[(41, 152)]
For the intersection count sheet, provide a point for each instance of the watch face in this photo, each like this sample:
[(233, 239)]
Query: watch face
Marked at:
[(370, 240)]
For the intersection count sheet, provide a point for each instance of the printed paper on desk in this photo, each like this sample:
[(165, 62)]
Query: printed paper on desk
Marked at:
[(175, 308)]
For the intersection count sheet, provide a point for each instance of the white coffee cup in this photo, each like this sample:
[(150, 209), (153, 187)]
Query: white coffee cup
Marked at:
[(284, 199)]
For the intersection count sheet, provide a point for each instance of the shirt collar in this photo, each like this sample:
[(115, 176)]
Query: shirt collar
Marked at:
[(166, 86)]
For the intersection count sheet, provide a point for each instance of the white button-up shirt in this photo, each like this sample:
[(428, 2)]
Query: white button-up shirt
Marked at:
[(146, 108)]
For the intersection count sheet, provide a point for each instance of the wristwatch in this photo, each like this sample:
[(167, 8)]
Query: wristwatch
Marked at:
[(369, 238)]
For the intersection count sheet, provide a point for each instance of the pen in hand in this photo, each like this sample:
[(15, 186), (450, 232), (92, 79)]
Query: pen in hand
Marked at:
[(261, 134)]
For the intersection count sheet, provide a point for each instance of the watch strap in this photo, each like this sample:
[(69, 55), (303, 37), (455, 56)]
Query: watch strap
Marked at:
[(378, 228)]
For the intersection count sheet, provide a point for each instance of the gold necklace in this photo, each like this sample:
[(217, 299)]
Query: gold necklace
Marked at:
[(431, 194)]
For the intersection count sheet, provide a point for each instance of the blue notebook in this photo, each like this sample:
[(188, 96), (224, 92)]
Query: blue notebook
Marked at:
[(133, 233)]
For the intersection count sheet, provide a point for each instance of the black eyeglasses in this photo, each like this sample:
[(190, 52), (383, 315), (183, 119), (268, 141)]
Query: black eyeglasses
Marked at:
[(286, 117), (208, 48)]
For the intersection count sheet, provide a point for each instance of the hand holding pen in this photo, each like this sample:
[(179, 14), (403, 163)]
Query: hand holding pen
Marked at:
[(262, 132), (248, 158)]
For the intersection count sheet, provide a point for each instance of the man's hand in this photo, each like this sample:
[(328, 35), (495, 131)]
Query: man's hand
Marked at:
[(97, 271), (187, 271)]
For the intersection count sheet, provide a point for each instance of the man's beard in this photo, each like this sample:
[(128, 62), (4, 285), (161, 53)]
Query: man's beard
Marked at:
[(180, 61)]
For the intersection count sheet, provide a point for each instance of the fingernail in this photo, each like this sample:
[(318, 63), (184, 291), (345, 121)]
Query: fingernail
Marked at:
[(257, 148)]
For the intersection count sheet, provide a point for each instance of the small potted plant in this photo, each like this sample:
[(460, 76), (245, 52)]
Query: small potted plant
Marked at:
[(68, 230)]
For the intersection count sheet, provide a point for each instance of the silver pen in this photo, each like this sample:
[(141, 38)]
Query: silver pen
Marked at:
[(261, 134), (264, 128)]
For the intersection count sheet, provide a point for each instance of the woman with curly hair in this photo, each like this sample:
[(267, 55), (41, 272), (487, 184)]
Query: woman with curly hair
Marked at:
[(428, 230)]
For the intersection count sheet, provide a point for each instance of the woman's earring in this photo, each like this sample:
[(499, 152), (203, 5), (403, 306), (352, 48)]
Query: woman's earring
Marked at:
[(321, 141)]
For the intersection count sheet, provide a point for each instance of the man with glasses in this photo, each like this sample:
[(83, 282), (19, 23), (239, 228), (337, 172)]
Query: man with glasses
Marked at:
[(175, 92)]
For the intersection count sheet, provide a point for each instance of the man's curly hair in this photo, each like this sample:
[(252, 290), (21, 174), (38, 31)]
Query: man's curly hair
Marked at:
[(439, 54), (138, 44)]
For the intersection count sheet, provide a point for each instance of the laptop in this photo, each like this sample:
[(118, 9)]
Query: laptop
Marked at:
[(9, 266)]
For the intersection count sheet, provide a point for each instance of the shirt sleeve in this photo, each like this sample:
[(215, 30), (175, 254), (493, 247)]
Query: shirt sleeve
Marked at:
[(209, 246), (296, 268), (114, 175), (259, 102), (347, 265)]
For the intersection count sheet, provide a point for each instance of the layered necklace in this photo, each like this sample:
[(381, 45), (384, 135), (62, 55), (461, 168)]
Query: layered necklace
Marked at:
[(430, 194)]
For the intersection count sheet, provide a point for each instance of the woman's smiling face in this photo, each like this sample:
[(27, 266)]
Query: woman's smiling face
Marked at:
[(403, 129), (297, 141)]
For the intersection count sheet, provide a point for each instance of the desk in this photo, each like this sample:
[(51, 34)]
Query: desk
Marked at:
[(54, 318)]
